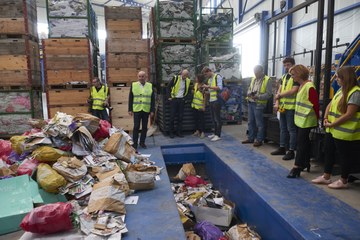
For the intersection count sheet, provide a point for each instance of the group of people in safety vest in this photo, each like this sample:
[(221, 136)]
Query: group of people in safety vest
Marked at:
[(297, 102)]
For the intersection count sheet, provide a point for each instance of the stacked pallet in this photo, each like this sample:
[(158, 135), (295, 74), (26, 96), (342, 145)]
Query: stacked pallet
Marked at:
[(126, 54), (68, 72), (19, 66)]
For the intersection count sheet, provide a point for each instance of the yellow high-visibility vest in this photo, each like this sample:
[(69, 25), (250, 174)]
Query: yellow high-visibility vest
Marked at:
[(213, 93), (198, 100), (99, 97), (142, 97), (305, 115), (262, 89), (349, 130), (287, 102), (175, 89)]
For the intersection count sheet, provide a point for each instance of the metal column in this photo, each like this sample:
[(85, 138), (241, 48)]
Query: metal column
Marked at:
[(319, 40)]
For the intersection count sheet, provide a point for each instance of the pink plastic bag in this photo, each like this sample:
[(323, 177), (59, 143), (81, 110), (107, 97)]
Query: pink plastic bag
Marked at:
[(5, 148), (28, 166), (193, 181), (50, 218), (103, 130)]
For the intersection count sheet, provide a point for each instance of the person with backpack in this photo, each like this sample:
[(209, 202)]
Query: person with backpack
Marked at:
[(177, 92), (99, 99), (259, 92), (214, 85)]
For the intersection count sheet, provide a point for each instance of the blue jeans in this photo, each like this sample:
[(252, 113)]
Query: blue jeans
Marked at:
[(288, 129), (256, 122)]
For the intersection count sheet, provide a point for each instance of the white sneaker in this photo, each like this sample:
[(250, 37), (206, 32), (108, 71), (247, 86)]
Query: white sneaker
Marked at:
[(202, 135), (215, 138), (211, 136)]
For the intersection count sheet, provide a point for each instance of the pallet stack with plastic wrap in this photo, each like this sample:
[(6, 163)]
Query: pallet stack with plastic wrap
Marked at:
[(126, 54), (68, 71), (20, 90)]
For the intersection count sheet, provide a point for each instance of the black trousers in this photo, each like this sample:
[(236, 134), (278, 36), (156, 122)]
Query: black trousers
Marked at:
[(142, 117), (329, 153), (303, 148), (199, 120), (177, 108), (215, 108), (102, 114), (349, 155)]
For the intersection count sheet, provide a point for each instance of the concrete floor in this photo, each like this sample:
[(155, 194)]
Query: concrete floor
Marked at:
[(350, 196)]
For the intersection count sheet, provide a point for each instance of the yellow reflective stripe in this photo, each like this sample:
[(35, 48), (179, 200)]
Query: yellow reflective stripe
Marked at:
[(304, 105), (342, 129), (304, 115)]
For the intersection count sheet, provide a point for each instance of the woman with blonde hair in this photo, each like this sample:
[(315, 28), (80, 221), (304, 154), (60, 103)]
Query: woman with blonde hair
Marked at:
[(342, 121), (306, 118)]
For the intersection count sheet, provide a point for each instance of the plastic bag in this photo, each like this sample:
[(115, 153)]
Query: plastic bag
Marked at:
[(103, 130), (193, 181), (187, 169), (47, 154), (5, 148), (28, 166), (14, 157), (16, 143), (207, 231), (50, 218), (49, 179)]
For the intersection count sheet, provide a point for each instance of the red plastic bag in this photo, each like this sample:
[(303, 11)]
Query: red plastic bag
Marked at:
[(193, 181), (28, 166), (50, 218), (103, 130), (5, 148)]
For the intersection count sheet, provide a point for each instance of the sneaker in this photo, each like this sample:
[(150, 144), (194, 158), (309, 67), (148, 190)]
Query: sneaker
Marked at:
[(257, 144), (279, 151), (211, 136), (247, 141), (215, 138), (338, 185), (196, 133), (321, 180), (202, 135), (289, 155)]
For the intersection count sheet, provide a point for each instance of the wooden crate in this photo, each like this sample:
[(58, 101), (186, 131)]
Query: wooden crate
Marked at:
[(115, 12), (126, 46), (127, 60), (125, 122), (18, 17), (54, 77), (125, 34), (20, 78), (123, 74), (119, 94), (66, 46), (71, 110), (124, 25), (120, 109), (67, 62), (67, 97)]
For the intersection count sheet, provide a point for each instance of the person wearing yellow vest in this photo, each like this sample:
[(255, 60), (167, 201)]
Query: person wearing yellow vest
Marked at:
[(199, 104), (306, 118), (258, 94), (285, 104), (342, 123), (141, 104), (99, 99), (214, 85), (177, 92)]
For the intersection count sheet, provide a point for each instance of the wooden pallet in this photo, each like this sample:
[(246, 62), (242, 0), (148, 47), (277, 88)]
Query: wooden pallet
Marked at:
[(17, 78), (127, 60), (126, 46), (68, 109), (177, 40), (69, 86), (124, 25), (19, 36), (19, 87), (67, 97), (59, 77), (123, 75), (67, 62), (123, 34), (68, 46)]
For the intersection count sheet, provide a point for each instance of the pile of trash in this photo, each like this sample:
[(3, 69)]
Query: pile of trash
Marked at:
[(204, 212), (84, 159)]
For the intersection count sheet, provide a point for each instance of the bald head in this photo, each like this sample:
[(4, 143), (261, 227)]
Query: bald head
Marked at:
[(142, 77), (184, 74)]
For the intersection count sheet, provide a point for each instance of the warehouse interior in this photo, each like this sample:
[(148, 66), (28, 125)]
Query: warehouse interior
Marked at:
[(72, 170)]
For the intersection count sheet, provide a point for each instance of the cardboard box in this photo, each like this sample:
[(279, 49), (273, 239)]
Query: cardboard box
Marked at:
[(18, 196), (219, 217)]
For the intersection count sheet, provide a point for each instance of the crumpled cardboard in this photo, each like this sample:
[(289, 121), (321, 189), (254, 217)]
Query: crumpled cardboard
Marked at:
[(87, 120), (141, 177), (107, 170), (242, 231), (187, 169), (47, 154), (72, 169), (49, 179), (109, 194)]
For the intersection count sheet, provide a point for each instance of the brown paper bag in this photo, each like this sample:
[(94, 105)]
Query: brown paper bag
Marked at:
[(72, 169), (187, 169), (141, 177), (112, 145)]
